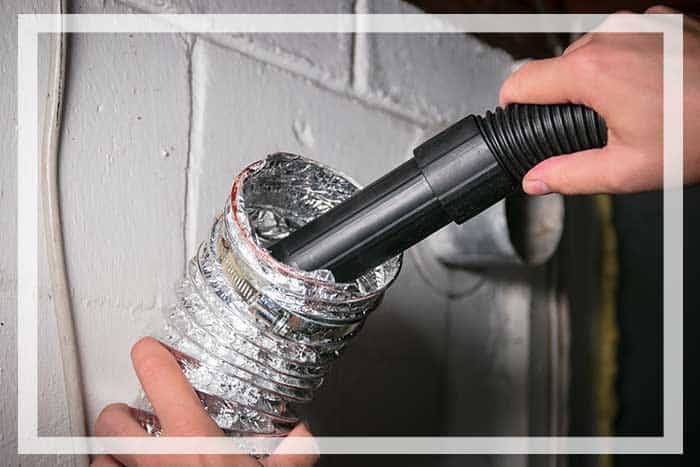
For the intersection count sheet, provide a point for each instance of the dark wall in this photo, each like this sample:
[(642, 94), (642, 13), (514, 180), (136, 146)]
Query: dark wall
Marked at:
[(638, 221)]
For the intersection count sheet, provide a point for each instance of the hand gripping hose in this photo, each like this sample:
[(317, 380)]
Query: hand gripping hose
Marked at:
[(452, 177)]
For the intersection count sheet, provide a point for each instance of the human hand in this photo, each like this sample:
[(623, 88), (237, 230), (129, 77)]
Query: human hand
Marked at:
[(180, 413), (620, 76)]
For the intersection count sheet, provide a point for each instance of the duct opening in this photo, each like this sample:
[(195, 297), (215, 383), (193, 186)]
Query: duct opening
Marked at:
[(255, 337)]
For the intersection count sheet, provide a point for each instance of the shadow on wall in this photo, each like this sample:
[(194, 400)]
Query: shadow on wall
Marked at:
[(387, 383), (398, 380)]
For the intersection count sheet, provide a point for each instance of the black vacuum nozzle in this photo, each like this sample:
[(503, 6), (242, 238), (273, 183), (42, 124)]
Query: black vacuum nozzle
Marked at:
[(452, 177)]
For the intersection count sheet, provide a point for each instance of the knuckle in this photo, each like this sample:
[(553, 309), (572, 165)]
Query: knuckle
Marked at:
[(589, 60)]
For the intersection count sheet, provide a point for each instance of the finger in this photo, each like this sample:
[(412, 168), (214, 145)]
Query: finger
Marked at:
[(611, 169), (118, 420), (105, 461), (548, 81), (176, 404), (293, 460), (578, 173)]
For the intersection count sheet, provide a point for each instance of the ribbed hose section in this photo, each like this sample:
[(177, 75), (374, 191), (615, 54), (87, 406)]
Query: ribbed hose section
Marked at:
[(523, 135), (253, 336)]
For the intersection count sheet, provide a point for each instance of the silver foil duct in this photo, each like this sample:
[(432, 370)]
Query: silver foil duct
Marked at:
[(256, 337)]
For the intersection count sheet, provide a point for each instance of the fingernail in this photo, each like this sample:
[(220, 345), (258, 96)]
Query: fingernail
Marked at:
[(535, 187)]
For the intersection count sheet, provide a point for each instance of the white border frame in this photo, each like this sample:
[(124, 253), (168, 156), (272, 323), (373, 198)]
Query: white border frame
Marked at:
[(30, 26)]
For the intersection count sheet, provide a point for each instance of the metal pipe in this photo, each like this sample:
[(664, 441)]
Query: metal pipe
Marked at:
[(254, 336)]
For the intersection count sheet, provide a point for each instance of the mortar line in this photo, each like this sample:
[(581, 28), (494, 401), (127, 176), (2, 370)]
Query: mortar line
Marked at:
[(353, 41), (337, 87), (360, 52), (333, 86)]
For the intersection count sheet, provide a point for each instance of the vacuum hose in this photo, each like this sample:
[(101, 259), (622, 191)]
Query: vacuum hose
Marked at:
[(452, 177)]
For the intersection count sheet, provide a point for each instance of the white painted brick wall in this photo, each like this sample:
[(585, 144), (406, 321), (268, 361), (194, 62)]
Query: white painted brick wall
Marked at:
[(124, 158), (156, 126), (439, 77)]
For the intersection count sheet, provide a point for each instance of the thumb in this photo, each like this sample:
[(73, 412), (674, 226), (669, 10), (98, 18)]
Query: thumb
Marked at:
[(585, 172)]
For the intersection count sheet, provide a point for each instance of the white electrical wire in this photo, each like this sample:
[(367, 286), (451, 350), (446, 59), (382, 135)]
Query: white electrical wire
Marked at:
[(54, 238)]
